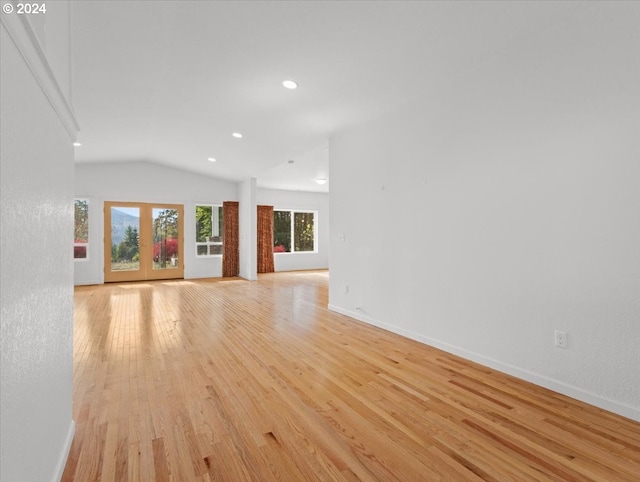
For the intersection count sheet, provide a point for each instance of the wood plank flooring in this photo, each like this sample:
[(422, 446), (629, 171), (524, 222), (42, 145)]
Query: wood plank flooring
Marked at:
[(233, 380)]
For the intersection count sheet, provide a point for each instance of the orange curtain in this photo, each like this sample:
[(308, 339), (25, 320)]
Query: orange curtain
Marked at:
[(265, 239), (230, 243)]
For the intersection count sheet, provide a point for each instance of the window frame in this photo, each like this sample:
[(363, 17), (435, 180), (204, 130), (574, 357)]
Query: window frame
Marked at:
[(82, 245), (292, 228), (208, 244)]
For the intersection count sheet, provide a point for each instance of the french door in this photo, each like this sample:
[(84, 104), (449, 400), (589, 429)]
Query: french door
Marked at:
[(143, 241)]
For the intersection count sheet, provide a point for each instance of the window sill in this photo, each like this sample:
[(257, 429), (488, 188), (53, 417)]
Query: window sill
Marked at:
[(295, 252)]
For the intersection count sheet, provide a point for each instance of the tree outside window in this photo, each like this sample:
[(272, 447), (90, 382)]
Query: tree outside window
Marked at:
[(303, 231), (81, 230), (165, 237), (209, 230), (281, 231), (293, 231)]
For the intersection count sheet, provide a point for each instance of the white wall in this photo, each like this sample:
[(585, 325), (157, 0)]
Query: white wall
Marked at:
[(306, 201), (36, 273), (147, 182), (57, 42), (505, 207)]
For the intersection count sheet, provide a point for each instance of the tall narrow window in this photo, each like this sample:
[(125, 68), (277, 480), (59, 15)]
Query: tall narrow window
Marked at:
[(304, 231), (81, 230), (281, 231), (294, 231), (209, 230)]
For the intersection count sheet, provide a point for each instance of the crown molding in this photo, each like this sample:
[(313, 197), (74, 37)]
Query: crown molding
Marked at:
[(27, 43)]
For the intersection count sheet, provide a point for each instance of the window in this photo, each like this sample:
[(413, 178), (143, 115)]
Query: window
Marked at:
[(81, 230), (294, 231), (208, 230)]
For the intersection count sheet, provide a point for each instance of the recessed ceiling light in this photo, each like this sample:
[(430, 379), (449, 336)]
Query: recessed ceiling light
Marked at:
[(211, 159), (237, 135), (321, 180), (76, 144), (290, 84)]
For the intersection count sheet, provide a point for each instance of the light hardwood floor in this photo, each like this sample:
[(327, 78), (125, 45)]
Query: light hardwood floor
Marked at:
[(234, 380)]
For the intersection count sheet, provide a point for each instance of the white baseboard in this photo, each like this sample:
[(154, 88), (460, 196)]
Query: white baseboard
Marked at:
[(89, 283), (64, 453), (557, 386)]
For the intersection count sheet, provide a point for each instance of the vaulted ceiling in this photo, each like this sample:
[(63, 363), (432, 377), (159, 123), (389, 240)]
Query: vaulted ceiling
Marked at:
[(170, 81)]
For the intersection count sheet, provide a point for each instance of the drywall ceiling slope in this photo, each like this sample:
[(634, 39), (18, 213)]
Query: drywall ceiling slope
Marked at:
[(169, 82)]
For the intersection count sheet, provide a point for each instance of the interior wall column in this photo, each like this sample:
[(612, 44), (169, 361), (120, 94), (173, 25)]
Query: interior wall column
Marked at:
[(248, 230)]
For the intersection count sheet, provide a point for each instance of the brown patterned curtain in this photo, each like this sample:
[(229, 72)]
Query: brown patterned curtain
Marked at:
[(265, 239), (230, 243)]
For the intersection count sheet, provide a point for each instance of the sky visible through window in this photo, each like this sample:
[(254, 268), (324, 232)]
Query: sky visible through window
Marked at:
[(130, 211)]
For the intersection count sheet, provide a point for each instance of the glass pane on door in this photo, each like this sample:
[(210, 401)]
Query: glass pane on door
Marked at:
[(166, 238), (125, 238)]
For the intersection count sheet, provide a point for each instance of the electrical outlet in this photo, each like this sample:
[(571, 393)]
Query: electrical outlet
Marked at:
[(561, 339)]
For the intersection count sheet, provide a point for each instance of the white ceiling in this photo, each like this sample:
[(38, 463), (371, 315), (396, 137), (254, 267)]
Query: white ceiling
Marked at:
[(170, 81)]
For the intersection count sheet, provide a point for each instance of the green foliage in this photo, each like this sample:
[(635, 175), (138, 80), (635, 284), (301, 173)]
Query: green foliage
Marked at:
[(203, 223), (81, 212), (129, 247), (165, 224), (220, 222), (206, 217), (130, 237), (282, 230), (303, 231)]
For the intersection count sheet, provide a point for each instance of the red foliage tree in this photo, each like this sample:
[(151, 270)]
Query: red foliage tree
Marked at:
[(165, 249)]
